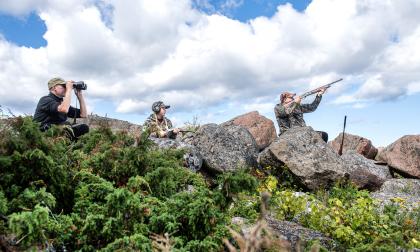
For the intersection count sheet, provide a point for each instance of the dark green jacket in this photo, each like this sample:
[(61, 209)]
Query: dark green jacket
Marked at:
[(292, 115)]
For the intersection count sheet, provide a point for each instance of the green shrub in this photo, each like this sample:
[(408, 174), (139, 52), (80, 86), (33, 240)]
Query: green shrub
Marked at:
[(136, 242), (3, 204), (288, 204), (113, 192), (31, 227), (230, 184), (166, 181)]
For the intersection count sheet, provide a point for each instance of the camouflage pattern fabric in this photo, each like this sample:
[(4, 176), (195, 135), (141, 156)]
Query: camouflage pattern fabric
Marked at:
[(292, 115), (158, 128)]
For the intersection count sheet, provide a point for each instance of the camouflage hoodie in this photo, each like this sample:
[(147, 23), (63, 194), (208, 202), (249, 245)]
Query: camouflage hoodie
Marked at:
[(292, 115), (158, 128)]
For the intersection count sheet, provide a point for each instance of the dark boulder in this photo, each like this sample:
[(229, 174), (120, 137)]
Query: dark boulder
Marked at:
[(297, 234), (192, 158), (307, 156), (226, 148), (399, 191), (364, 173)]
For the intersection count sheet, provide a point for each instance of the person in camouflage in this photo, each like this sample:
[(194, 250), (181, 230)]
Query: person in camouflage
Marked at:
[(289, 112), (158, 124)]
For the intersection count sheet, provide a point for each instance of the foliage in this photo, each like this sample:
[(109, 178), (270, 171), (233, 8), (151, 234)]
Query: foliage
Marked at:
[(193, 126), (31, 197), (30, 226), (136, 242), (289, 204), (3, 203), (245, 206), (27, 156), (351, 217), (114, 192), (231, 184), (281, 176), (166, 181)]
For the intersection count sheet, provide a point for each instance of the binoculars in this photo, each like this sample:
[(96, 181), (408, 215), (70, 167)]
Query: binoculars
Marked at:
[(81, 85)]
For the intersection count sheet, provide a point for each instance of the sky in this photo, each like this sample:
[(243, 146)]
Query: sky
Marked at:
[(215, 60)]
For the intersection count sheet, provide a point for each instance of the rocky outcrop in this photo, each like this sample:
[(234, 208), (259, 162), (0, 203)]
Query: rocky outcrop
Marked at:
[(399, 191), (192, 158), (359, 144), (95, 121), (293, 236), (364, 173), (307, 156), (225, 148), (295, 233), (403, 155), (260, 127)]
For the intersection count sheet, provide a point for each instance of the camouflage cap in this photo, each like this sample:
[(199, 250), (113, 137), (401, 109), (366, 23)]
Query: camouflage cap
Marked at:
[(159, 104), (56, 81)]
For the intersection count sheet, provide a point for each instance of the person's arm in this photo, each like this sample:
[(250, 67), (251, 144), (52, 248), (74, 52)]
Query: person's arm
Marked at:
[(277, 114), (307, 108), (65, 104), (171, 132), (83, 110)]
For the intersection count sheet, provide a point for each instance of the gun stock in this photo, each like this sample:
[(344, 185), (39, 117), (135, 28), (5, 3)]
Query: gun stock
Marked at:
[(182, 130)]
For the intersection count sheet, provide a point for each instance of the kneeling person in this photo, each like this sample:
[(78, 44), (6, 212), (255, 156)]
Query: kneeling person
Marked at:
[(55, 108), (289, 112), (158, 124)]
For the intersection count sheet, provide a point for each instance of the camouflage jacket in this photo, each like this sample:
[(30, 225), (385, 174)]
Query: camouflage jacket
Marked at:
[(158, 128), (292, 115)]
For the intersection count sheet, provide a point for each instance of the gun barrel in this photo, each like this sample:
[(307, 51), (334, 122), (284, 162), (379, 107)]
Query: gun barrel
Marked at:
[(317, 89), (330, 84)]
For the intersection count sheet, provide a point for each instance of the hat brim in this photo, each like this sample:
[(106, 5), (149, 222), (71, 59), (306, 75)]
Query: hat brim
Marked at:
[(167, 106)]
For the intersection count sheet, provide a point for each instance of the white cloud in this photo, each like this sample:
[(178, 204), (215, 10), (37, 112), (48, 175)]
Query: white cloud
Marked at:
[(133, 53), (20, 7), (231, 4)]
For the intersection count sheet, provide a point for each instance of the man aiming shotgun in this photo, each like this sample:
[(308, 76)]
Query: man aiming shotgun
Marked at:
[(289, 112)]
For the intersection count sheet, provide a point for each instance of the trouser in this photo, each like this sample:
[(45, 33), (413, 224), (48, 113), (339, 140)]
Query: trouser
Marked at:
[(80, 129), (324, 135), (72, 131)]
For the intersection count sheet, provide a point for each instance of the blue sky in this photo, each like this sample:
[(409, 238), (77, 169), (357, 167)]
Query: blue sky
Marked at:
[(23, 31), (218, 59)]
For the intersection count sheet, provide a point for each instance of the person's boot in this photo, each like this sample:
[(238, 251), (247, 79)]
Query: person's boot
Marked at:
[(69, 133)]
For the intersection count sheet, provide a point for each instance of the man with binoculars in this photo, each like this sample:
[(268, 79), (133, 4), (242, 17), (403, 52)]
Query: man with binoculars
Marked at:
[(55, 107)]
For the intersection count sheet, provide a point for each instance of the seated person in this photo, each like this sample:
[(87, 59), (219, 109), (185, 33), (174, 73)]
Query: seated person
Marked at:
[(54, 108), (289, 112), (159, 126)]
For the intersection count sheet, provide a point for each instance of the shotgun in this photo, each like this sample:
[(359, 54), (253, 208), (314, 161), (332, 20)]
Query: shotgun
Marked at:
[(316, 90)]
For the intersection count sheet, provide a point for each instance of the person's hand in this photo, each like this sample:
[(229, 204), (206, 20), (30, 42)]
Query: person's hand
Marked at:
[(176, 130), (69, 85), (298, 99), (78, 92), (321, 91)]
